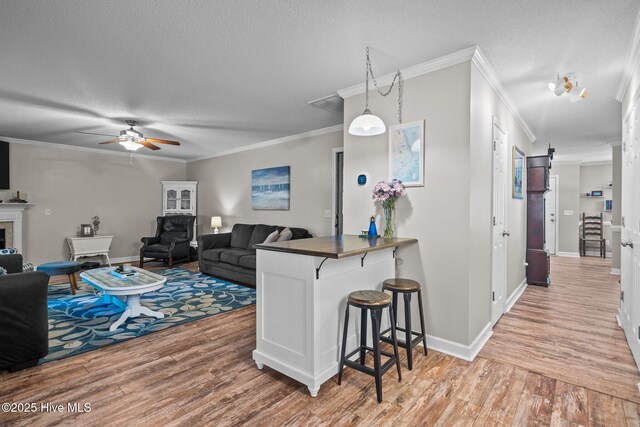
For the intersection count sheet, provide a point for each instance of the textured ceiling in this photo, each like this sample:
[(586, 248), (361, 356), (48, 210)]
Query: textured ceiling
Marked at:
[(218, 75)]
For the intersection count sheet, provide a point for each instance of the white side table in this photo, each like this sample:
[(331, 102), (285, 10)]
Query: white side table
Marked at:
[(90, 246)]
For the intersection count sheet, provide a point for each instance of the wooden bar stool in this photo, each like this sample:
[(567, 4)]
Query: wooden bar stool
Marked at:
[(375, 302), (407, 287)]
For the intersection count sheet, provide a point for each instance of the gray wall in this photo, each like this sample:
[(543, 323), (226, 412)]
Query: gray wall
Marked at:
[(225, 185), (616, 215), (76, 185), (569, 199), (450, 216)]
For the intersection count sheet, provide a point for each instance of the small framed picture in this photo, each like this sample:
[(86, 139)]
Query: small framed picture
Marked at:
[(86, 230), (517, 169), (406, 153)]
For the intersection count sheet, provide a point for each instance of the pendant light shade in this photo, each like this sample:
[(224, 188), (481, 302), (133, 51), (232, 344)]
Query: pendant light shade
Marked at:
[(367, 124)]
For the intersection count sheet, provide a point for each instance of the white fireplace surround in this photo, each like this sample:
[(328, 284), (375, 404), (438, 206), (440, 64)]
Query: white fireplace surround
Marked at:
[(12, 212)]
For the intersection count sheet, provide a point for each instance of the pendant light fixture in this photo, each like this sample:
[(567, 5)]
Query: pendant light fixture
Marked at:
[(564, 84), (368, 124)]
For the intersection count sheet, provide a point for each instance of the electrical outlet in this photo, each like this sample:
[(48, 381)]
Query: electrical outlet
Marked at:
[(327, 213), (47, 212)]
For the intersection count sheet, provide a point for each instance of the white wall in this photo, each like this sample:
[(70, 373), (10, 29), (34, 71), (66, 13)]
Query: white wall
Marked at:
[(76, 185), (568, 200), (225, 185)]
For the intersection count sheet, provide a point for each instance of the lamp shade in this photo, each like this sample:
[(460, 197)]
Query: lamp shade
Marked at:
[(216, 222), (367, 124), (130, 145)]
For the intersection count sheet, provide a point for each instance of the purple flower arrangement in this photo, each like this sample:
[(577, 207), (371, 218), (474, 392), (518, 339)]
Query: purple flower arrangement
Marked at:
[(387, 192)]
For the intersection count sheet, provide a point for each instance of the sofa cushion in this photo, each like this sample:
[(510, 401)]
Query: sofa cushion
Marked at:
[(285, 235), (213, 255), (298, 233), (248, 261), (260, 233), (232, 256), (240, 235)]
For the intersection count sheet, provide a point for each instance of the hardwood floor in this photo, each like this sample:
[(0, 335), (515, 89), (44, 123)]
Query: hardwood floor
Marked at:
[(530, 373)]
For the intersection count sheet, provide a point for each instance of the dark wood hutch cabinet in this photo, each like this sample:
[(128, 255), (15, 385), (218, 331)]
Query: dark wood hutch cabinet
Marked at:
[(537, 255)]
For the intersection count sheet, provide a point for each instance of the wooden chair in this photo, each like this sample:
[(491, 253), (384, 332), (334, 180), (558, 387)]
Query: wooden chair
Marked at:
[(592, 232)]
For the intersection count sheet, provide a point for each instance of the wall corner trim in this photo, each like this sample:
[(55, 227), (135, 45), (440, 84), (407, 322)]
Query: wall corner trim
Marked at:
[(488, 72), (633, 55), (473, 54), (87, 149), (464, 352), (316, 132), (516, 295), (569, 254)]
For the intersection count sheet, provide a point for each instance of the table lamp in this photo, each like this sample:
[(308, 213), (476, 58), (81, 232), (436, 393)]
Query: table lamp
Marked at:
[(216, 222)]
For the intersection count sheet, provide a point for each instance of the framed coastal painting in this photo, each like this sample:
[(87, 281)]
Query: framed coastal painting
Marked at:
[(406, 153), (270, 188), (517, 169)]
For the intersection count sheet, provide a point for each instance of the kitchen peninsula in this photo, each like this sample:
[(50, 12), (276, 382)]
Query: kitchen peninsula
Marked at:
[(302, 287)]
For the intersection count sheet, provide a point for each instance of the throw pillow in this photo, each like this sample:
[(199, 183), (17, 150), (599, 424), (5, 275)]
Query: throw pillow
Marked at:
[(27, 266), (272, 237), (285, 235), (2, 271), (9, 251)]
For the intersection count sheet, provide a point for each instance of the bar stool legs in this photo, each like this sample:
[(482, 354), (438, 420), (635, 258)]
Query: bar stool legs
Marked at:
[(375, 308), (407, 288)]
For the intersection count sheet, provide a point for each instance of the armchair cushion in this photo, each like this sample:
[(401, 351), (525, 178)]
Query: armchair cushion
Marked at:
[(172, 236), (150, 240), (11, 263)]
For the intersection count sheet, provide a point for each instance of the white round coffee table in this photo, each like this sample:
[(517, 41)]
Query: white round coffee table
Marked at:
[(129, 287)]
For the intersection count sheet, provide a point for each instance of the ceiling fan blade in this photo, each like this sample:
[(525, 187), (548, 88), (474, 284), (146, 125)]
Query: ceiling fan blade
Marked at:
[(162, 141), (93, 133), (149, 145), (111, 141)]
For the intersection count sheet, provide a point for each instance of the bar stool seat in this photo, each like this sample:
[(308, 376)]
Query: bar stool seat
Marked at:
[(369, 298), (401, 285), (407, 287), (374, 302)]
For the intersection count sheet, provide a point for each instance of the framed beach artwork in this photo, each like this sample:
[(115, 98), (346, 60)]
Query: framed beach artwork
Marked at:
[(270, 188), (406, 153), (517, 169)]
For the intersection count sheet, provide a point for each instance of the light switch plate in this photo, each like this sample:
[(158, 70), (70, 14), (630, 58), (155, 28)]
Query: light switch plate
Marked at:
[(47, 212), (568, 212)]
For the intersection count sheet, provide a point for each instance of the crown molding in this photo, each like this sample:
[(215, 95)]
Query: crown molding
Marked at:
[(492, 78), (87, 149), (473, 54), (454, 58), (317, 132), (632, 59)]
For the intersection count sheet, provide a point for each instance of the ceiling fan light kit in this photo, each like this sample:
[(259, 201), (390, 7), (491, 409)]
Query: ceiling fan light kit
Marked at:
[(132, 140), (368, 124), (563, 85)]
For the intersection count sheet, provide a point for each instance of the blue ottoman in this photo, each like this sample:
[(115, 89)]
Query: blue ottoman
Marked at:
[(61, 268)]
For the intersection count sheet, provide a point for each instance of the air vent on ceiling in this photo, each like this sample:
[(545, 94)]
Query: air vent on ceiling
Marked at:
[(332, 103)]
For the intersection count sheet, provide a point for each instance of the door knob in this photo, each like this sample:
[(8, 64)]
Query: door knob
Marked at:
[(625, 244), (506, 233)]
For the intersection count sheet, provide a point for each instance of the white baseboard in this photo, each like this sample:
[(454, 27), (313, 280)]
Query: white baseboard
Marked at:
[(615, 271), (515, 295), (465, 352), (569, 254)]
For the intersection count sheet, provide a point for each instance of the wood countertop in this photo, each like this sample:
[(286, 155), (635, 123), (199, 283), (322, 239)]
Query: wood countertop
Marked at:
[(337, 247)]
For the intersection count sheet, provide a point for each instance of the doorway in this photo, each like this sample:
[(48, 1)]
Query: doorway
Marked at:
[(499, 232), (338, 190), (551, 216)]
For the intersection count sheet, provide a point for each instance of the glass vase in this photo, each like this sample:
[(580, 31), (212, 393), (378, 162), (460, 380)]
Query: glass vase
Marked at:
[(389, 211)]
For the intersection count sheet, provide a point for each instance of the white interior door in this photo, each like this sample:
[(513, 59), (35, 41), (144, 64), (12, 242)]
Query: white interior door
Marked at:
[(500, 233), (551, 215), (630, 238)]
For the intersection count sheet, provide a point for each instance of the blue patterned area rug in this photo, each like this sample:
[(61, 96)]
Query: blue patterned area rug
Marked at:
[(187, 296)]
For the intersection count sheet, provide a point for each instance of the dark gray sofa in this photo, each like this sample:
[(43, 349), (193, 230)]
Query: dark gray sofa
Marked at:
[(231, 256), (24, 327)]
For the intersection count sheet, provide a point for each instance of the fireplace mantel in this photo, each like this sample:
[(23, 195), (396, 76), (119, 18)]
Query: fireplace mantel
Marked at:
[(12, 212)]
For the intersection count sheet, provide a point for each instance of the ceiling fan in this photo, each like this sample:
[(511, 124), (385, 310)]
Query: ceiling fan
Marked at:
[(133, 140)]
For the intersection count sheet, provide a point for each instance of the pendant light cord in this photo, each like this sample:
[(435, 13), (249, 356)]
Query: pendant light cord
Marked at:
[(398, 77)]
